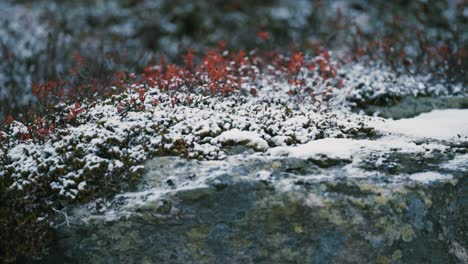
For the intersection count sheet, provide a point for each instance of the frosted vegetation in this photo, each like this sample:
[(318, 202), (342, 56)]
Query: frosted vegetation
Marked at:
[(104, 142), (90, 95)]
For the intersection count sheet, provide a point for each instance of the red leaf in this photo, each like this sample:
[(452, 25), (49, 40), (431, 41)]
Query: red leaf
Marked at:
[(10, 119), (263, 35)]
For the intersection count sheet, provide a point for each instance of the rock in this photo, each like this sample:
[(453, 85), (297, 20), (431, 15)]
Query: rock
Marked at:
[(413, 106), (223, 211)]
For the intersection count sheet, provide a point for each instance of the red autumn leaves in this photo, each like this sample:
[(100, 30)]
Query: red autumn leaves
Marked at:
[(217, 72)]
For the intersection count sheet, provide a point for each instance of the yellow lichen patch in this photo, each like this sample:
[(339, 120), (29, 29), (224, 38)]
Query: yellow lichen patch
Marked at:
[(199, 233), (401, 189), (359, 202), (332, 216), (400, 206), (396, 256), (276, 165), (357, 219), (382, 260), (366, 187), (299, 229), (372, 188), (407, 233), (390, 228), (427, 202), (381, 199), (381, 222), (426, 198)]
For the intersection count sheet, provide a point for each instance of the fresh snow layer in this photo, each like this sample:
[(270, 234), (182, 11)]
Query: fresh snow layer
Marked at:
[(438, 124), (238, 136), (342, 148), (204, 128), (346, 148), (458, 163), (398, 135)]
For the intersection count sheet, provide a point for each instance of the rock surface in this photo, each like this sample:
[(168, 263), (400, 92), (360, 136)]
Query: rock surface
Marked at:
[(413, 106), (399, 198)]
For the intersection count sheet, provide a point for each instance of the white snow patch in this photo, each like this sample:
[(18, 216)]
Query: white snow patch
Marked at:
[(263, 175), (82, 186), (427, 177), (341, 148), (346, 148), (238, 136), (313, 200), (438, 124), (458, 163)]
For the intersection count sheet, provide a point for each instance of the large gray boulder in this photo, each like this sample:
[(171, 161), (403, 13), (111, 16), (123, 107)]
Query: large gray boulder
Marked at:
[(273, 210)]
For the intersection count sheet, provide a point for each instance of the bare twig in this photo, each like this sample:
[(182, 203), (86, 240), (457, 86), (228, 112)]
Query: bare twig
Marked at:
[(65, 215)]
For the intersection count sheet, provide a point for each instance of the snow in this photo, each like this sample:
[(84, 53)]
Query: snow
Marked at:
[(263, 175), (347, 149), (371, 82), (82, 186), (238, 136), (340, 148), (428, 177), (400, 136), (438, 124), (107, 144), (313, 200), (459, 163), (205, 129)]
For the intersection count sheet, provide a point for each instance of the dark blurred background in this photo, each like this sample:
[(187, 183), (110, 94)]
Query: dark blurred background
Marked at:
[(38, 38)]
